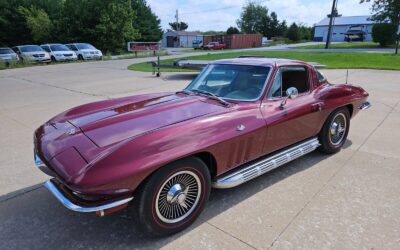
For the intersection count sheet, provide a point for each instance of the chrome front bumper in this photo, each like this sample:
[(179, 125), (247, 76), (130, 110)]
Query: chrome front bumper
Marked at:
[(74, 207), (68, 203)]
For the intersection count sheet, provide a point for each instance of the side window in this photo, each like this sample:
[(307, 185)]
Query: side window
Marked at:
[(320, 76), (289, 77), (74, 48), (276, 88)]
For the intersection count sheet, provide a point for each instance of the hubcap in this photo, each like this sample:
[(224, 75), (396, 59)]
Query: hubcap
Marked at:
[(338, 129), (178, 197)]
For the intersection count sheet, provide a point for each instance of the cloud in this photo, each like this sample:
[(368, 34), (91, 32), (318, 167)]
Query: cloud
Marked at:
[(219, 15)]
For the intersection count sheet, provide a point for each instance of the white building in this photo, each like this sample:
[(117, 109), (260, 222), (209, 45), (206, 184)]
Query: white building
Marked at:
[(345, 28), (183, 39)]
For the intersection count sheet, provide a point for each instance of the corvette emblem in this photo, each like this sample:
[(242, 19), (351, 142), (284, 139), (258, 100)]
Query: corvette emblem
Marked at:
[(241, 127)]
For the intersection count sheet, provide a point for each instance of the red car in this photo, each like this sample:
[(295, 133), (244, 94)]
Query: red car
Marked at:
[(162, 153), (215, 46)]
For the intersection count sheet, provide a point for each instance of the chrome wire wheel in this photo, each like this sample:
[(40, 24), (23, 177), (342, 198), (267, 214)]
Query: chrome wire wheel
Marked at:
[(337, 129), (178, 197)]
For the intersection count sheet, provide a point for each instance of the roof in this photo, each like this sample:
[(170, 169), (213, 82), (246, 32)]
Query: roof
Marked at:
[(346, 20), (185, 33), (258, 61)]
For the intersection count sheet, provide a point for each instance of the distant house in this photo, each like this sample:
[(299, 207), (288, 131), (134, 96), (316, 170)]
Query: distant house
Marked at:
[(345, 28), (183, 39)]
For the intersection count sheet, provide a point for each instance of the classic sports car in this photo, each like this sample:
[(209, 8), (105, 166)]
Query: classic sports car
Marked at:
[(238, 119)]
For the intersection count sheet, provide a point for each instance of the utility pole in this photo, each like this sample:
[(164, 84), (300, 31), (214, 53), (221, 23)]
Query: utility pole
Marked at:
[(333, 14), (177, 20)]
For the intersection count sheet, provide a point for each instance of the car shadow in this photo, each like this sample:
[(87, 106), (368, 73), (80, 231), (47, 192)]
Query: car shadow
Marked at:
[(35, 219)]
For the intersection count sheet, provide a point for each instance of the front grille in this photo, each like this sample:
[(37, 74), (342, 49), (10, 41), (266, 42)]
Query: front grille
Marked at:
[(67, 54)]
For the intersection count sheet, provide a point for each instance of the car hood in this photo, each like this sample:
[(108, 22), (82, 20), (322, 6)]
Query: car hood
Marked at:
[(126, 119)]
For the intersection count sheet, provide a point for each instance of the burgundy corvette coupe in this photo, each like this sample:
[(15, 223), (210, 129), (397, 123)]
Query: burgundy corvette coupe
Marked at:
[(237, 120)]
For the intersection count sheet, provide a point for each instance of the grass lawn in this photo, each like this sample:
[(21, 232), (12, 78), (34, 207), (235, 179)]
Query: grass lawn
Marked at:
[(333, 60), (353, 45)]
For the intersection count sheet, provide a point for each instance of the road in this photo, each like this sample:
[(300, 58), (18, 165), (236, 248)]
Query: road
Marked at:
[(345, 201)]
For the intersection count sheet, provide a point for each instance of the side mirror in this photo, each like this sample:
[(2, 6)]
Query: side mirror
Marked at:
[(291, 93)]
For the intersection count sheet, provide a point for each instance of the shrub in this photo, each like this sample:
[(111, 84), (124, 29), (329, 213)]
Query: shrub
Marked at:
[(384, 34)]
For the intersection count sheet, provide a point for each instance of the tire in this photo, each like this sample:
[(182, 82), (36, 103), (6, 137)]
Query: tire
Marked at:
[(173, 197), (53, 59), (335, 130)]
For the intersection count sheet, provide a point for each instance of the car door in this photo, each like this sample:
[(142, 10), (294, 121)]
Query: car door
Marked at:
[(299, 118)]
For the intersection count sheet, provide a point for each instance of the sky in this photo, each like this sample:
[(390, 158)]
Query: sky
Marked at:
[(220, 14)]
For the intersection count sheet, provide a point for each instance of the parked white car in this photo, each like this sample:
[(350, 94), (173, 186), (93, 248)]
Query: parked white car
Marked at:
[(85, 51), (59, 52), (7, 55), (32, 53)]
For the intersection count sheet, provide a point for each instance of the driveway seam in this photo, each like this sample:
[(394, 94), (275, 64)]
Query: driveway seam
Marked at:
[(244, 242), (27, 190), (58, 87), (333, 176)]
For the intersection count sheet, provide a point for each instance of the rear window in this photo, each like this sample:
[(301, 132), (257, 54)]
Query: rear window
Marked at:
[(6, 51)]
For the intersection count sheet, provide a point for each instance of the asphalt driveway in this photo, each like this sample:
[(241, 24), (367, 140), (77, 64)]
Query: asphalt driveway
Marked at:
[(345, 201)]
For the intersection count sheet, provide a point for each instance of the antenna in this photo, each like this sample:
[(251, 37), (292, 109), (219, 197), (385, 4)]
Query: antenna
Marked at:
[(347, 75)]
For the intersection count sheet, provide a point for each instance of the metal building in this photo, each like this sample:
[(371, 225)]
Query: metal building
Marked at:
[(345, 28), (183, 39)]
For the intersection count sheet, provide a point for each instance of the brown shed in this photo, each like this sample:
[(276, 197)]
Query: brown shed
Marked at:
[(240, 41)]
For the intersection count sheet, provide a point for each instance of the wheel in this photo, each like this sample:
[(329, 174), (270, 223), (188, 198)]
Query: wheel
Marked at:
[(53, 59), (173, 197), (335, 130), (80, 57)]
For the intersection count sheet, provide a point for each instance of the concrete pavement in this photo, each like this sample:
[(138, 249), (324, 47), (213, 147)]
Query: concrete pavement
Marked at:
[(345, 201)]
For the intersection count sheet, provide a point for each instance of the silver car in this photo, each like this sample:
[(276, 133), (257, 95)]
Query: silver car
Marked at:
[(7, 55), (59, 52), (85, 51), (32, 53)]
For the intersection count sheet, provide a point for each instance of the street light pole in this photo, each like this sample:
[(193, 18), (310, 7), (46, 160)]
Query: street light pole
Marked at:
[(328, 38)]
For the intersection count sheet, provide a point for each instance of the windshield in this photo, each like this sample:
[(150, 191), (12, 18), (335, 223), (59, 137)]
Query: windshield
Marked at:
[(85, 46), (59, 47), (6, 51), (235, 82), (31, 48)]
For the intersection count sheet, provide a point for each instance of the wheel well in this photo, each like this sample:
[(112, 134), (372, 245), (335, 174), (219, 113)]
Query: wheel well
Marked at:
[(350, 108), (209, 160)]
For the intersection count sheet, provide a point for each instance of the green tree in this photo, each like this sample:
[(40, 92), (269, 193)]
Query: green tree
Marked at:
[(181, 26), (106, 24), (387, 10), (293, 32), (38, 23), (113, 33), (253, 19), (146, 22), (282, 29), (384, 34), (305, 32), (232, 31)]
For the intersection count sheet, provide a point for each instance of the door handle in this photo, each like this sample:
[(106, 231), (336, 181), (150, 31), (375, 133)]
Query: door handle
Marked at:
[(316, 106)]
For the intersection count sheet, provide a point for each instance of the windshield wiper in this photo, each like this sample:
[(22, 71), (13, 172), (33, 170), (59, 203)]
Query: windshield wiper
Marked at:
[(211, 95), (184, 91)]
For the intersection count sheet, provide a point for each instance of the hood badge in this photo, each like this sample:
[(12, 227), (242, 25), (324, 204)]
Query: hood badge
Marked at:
[(240, 128), (72, 131)]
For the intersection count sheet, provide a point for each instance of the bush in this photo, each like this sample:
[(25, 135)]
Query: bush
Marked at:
[(384, 34)]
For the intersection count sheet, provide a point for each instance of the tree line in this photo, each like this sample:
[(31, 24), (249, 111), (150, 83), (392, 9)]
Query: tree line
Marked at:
[(255, 18), (106, 24)]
